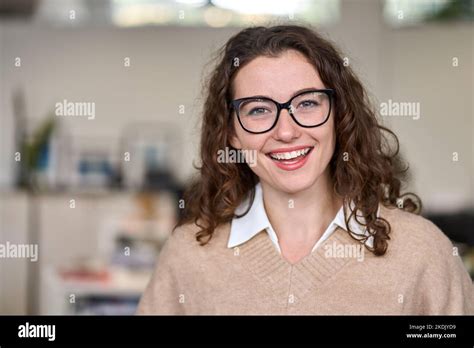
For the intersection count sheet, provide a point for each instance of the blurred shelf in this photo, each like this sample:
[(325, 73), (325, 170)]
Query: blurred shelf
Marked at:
[(120, 284)]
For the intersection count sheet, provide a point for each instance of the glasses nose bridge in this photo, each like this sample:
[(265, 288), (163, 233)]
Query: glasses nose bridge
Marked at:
[(286, 106)]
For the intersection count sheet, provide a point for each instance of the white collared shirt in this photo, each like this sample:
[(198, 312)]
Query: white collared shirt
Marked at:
[(244, 228)]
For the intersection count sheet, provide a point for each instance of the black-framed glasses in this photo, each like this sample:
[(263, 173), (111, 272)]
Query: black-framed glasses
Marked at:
[(309, 109)]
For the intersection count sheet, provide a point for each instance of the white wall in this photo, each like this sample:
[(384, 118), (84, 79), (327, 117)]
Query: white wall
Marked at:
[(419, 67), (87, 65)]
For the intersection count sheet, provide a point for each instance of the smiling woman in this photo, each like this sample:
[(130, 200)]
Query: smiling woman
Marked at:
[(278, 237)]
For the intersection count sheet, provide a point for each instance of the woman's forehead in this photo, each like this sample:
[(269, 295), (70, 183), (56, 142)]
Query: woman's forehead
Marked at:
[(277, 77)]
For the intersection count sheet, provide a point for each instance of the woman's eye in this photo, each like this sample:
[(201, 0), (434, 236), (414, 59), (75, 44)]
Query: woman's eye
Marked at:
[(308, 104), (258, 111)]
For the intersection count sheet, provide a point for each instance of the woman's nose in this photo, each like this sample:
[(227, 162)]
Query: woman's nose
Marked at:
[(286, 129)]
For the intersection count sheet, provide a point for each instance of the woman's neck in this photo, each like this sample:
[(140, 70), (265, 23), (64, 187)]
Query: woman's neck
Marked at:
[(299, 219)]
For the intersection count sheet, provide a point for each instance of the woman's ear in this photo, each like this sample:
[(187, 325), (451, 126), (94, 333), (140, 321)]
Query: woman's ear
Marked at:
[(233, 139), (235, 142)]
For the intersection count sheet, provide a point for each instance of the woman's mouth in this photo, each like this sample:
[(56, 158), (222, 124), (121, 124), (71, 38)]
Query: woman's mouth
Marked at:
[(291, 159)]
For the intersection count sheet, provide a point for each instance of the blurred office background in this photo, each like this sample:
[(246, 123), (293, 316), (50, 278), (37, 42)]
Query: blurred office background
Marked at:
[(100, 194)]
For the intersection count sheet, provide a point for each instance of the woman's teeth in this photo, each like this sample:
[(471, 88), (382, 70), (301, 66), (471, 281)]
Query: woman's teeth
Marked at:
[(284, 156)]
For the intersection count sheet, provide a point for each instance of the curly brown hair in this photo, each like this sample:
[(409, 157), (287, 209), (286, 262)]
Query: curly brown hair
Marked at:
[(366, 167)]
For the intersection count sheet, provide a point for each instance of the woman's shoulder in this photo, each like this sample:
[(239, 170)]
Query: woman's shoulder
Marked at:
[(184, 238), (415, 234)]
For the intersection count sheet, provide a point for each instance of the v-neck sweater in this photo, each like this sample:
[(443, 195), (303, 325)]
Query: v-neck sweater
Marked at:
[(420, 273)]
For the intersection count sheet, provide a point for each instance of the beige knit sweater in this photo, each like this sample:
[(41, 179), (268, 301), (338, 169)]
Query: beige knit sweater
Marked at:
[(420, 274)]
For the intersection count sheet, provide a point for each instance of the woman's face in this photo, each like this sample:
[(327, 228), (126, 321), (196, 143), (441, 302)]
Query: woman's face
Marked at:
[(280, 78)]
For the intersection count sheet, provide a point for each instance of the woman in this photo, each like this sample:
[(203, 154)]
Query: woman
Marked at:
[(316, 224)]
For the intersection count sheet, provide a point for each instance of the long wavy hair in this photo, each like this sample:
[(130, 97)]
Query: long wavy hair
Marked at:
[(366, 167)]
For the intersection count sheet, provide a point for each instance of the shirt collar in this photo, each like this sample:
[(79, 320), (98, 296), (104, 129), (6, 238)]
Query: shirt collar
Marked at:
[(245, 227)]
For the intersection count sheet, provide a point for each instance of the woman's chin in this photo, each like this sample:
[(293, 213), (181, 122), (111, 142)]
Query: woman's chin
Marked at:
[(295, 186)]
